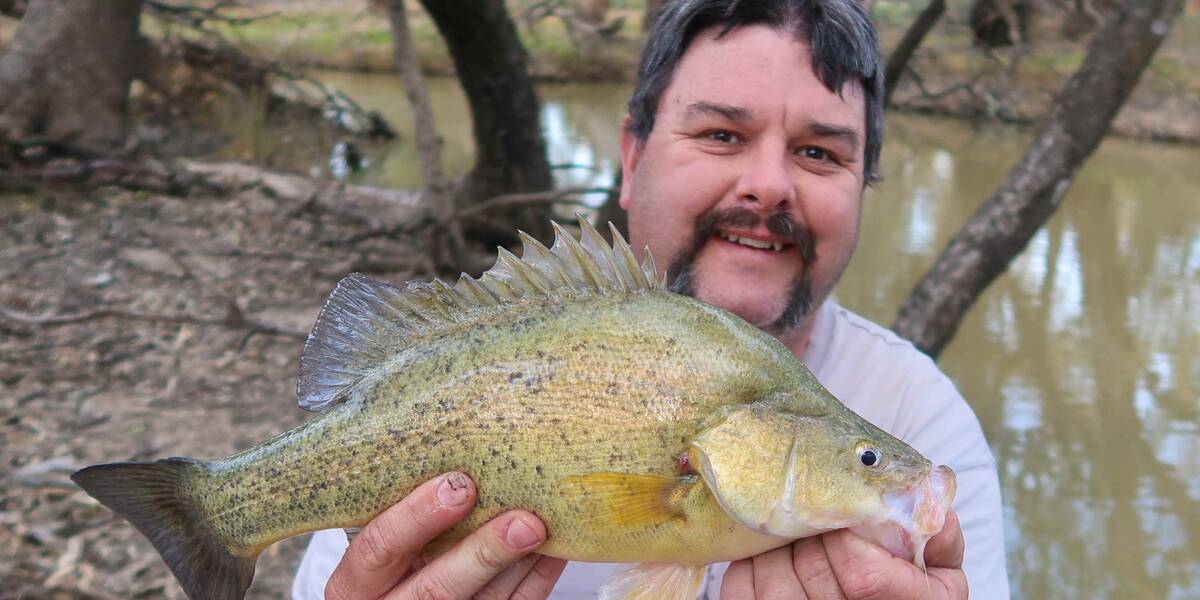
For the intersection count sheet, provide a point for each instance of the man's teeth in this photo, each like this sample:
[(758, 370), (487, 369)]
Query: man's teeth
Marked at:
[(745, 241)]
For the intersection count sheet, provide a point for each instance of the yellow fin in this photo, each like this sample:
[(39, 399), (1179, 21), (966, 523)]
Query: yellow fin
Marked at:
[(625, 500), (654, 581)]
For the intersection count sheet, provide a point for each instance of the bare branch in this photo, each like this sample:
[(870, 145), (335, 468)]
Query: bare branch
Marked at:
[(1035, 187), (198, 16), (477, 210), (511, 200), (898, 60), (967, 86), (441, 195)]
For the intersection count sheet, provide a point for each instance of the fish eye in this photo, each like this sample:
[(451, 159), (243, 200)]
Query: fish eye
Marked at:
[(870, 457)]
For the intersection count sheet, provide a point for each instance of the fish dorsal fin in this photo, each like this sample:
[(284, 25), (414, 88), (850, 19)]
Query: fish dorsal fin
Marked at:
[(366, 323)]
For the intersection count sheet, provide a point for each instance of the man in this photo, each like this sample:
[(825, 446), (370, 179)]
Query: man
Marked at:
[(753, 131)]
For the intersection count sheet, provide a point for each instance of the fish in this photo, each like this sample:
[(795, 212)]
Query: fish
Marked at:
[(640, 425)]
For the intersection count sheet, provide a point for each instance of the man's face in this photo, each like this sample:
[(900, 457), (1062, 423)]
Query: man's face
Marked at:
[(749, 185)]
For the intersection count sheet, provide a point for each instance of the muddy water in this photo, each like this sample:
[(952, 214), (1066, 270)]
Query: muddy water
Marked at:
[(1082, 362)]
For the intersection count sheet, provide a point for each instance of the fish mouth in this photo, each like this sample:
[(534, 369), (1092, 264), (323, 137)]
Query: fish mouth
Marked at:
[(913, 516)]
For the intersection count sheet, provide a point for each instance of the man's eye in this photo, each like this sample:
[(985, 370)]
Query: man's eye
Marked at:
[(724, 137), (815, 153)]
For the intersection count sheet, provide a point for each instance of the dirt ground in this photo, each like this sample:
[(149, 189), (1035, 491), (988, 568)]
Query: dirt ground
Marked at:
[(117, 388)]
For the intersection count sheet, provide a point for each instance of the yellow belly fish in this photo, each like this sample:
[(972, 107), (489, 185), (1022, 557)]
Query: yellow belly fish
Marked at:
[(641, 426)]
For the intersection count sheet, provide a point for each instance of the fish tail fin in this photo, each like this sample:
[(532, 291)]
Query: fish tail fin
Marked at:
[(654, 581), (151, 496)]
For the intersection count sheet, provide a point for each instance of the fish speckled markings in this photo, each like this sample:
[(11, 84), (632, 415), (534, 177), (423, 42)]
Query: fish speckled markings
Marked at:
[(568, 382)]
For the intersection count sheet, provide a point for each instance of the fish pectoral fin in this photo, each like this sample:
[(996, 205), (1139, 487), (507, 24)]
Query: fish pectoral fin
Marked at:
[(654, 581), (627, 500)]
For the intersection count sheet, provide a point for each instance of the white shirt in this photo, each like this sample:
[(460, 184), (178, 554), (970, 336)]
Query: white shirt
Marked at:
[(886, 381)]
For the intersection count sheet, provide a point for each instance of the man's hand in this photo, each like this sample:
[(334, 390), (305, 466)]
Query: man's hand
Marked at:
[(840, 565), (494, 562)]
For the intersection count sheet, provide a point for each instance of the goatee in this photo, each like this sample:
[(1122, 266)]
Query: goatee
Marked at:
[(681, 271)]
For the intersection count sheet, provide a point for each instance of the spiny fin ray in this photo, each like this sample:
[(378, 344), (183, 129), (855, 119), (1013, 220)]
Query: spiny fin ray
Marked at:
[(364, 323)]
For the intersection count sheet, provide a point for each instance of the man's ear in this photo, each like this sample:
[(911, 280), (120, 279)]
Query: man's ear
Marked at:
[(631, 153)]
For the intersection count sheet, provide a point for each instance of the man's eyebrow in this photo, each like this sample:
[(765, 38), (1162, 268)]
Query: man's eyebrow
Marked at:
[(847, 135), (729, 112)]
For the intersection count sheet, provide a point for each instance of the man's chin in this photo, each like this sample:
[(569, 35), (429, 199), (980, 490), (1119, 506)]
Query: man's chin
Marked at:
[(751, 308)]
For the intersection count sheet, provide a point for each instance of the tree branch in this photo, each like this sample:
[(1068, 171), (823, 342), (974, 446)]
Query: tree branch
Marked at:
[(967, 86), (512, 200), (1033, 190), (898, 60), (477, 210), (441, 194), (198, 16)]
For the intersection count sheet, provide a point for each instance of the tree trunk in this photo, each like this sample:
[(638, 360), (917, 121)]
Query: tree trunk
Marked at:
[(1035, 187), (916, 33), (510, 148), (66, 74), (12, 8), (439, 192)]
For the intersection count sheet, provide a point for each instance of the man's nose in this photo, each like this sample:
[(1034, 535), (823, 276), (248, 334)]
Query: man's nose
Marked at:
[(767, 182)]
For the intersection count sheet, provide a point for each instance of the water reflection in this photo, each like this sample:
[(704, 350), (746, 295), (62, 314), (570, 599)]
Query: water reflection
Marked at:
[(578, 121), (1082, 362), (1073, 360)]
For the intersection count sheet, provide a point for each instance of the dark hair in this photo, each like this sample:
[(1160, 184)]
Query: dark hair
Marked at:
[(843, 42)]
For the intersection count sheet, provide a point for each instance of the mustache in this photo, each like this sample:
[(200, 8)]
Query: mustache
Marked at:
[(781, 224), (681, 269)]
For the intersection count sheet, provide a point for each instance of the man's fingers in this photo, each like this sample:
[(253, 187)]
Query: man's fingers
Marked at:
[(502, 585), (738, 583), (382, 554), (865, 571), (467, 568), (946, 548), (531, 578), (538, 584), (814, 571), (774, 576)]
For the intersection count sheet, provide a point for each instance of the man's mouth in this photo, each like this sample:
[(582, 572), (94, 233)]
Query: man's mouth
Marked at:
[(750, 242)]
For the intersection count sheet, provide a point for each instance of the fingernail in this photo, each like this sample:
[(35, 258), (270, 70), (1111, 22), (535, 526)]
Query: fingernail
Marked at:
[(454, 490), (520, 536)]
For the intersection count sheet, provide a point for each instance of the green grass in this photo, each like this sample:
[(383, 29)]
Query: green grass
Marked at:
[(350, 39), (358, 39)]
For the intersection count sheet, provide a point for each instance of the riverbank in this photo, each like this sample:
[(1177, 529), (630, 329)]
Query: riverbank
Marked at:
[(952, 77), (192, 381)]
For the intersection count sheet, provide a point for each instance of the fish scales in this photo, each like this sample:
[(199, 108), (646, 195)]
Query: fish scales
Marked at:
[(497, 414), (639, 425)]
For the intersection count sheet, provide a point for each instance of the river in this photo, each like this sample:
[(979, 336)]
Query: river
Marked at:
[(1082, 362)]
